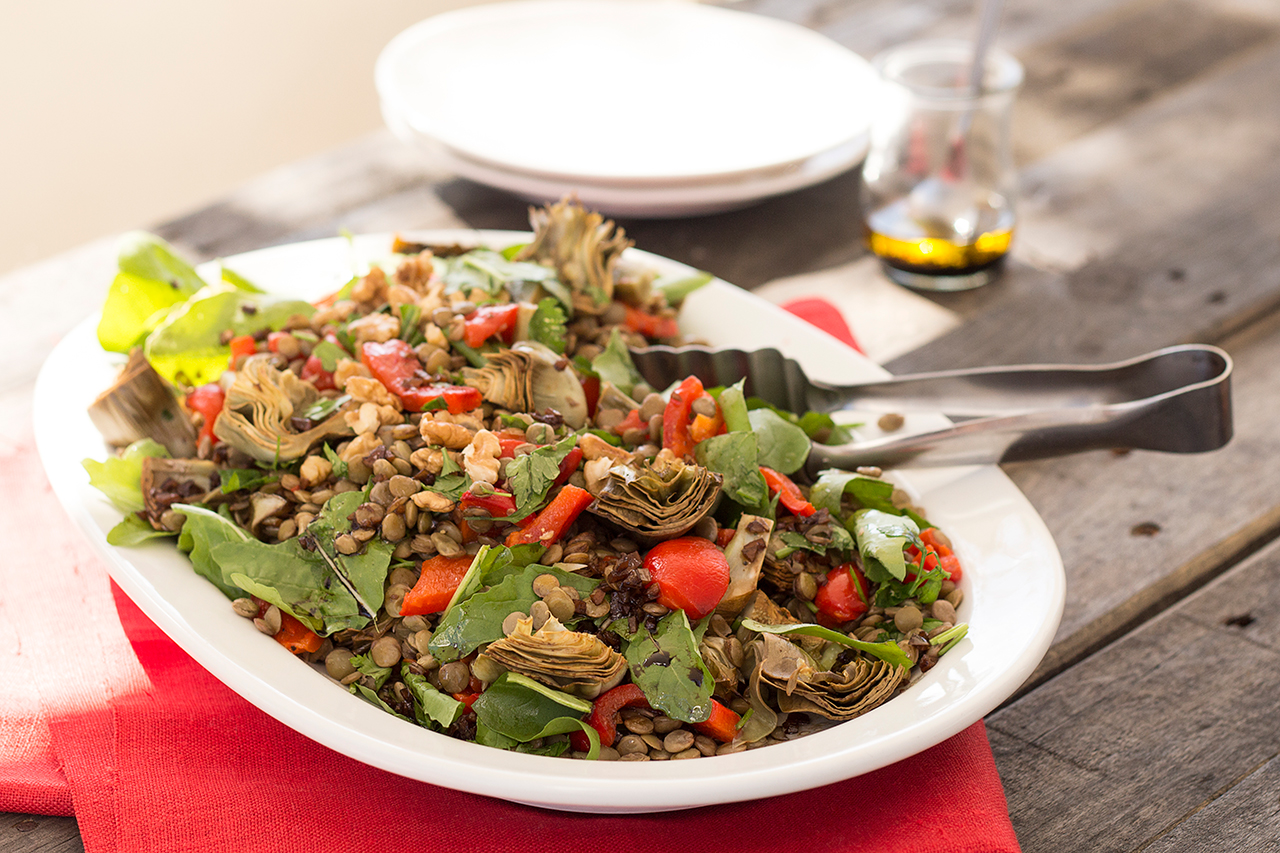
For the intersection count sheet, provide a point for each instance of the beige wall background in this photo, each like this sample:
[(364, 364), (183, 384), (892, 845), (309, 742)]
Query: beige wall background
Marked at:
[(116, 114)]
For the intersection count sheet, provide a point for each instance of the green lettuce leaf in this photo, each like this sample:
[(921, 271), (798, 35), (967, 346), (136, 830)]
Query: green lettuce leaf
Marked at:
[(547, 326), (881, 540), (133, 531), (187, 348), (430, 706), (120, 477), (734, 456), (204, 530), (614, 365), (152, 279)]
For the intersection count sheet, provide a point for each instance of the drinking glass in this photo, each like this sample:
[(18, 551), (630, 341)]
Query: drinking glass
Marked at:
[(938, 182)]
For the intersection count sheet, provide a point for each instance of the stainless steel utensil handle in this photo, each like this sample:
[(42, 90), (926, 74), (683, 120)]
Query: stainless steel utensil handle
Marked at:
[(1189, 421)]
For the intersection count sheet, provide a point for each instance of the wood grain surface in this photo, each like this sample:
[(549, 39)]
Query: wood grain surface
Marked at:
[(1149, 154)]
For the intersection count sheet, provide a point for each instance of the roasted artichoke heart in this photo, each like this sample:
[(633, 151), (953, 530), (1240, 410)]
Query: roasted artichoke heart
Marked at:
[(840, 695), (140, 404), (582, 246), (579, 664), (658, 500), (529, 377), (257, 415)]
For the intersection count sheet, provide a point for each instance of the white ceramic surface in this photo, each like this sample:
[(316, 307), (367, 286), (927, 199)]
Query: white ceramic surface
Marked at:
[(1013, 588), (642, 108)]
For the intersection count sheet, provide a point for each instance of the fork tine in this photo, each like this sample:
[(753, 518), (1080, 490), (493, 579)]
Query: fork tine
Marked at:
[(768, 374)]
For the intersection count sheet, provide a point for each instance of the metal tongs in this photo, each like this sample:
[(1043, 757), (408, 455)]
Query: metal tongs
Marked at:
[(1176, 400)]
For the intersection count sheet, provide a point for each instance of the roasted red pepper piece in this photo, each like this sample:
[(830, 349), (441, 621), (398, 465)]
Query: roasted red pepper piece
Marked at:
[(555, 518), (207, 400), (789, 493), (845, 594), (568, 465), (396, 365), (947, 559), (293, 635), (677, 416), (591, 388), (489, 320), (604, 714), (722, 725), (692, 574), (241, 345), (631, 421), (436, 585), (650, 325)]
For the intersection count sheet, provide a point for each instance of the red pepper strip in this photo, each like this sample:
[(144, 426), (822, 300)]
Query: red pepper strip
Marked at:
[(293, 635), (313, 371), (724, 536), (436, 585), (591, 388), (650, 325), (555, 518), (676, 417), (497, 504), (489, 320), (240, 346), (790, 495), (722, 725), (396, 366), (604, 714), (951, 565), (207, 400), (509, 445), (568, 465), (468, 699)]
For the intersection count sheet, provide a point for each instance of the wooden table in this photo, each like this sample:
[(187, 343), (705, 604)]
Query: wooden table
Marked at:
[(1148, 139)]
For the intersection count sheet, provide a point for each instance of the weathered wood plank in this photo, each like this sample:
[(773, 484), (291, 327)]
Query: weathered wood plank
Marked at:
[(1124, 746), (21, 833), (1243, 820)]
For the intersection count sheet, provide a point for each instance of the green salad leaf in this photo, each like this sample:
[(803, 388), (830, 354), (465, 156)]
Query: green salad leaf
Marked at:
[(734, 456), (151, 279), (120, 477), (678, 287), (203, 531), (133, 531), (478, 619), (886, 651), (667, 666), (430, 706), (881, 540), (614, 365), (547, 326), (532, 475), (784, 447), (523, 710)]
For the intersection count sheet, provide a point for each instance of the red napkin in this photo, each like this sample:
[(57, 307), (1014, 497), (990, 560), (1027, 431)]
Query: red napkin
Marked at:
[(103, 714)]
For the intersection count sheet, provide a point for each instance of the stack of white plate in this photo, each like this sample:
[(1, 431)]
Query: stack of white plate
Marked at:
[(640, 108)]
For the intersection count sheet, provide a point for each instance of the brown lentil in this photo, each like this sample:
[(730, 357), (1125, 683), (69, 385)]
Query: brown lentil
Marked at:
[(560, 605), (662, 724), (454, 677), (677, 741), (691, 752), (385, 651), (245, 607), (338, 663), (544, 584), (630, 745), (638, 725)]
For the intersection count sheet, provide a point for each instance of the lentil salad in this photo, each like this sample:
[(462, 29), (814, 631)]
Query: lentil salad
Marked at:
[(616, 573)]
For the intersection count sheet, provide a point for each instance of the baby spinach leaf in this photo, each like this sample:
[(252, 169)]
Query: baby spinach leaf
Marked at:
[(430, 706), (547, 326), (614, 365), (203, 531), (887, 651), (666, 665), (734, 456), (478, 620), (783, 446), (524, 710)]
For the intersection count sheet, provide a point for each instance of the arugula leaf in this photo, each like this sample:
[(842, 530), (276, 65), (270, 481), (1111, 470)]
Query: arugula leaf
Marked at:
[(667, 666), (235, 479), (547, 326), (784, 447), (887, 651), (478, 620), (120, 477), (429, 704), (133, 531), (614, 365), (881, 540), (531, 476)]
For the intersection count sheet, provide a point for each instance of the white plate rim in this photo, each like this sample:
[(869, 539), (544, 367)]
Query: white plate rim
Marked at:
[(1014, 587), (855, 87)]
